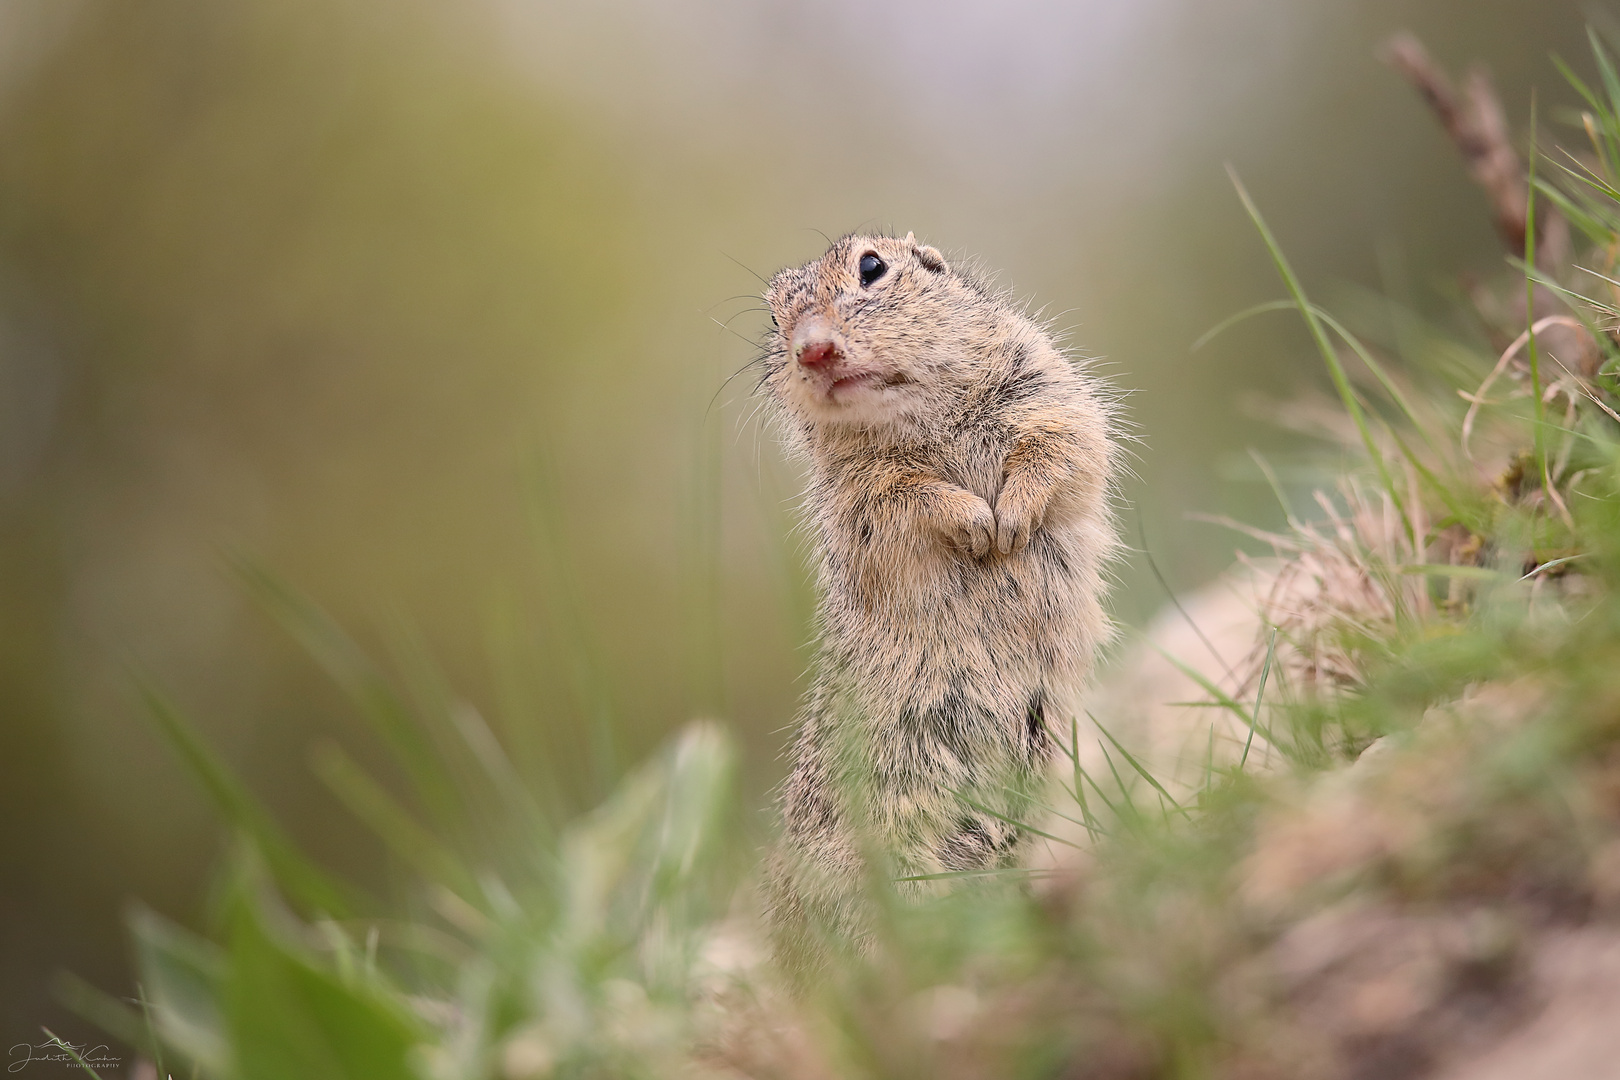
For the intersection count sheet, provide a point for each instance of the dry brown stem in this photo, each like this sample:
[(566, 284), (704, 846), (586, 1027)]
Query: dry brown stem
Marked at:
[(1477, 124)]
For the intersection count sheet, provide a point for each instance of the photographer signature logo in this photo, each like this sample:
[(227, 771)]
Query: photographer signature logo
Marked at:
[(54, 1052)]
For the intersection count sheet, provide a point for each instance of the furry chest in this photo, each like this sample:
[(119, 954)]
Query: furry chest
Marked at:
[(933, 606)]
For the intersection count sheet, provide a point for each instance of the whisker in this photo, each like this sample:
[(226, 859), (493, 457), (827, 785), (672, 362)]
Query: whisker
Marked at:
[(745, 266)]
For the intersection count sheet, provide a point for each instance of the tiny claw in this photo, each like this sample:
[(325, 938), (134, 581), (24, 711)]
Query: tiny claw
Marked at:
[(974, 532), (1014, 530), (984, 534)]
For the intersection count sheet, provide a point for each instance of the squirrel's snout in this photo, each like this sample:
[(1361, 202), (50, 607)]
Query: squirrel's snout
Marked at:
[(817, 345), (815, 354)]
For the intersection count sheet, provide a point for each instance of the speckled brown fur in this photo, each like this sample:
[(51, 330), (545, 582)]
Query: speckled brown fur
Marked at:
[(959, 506)]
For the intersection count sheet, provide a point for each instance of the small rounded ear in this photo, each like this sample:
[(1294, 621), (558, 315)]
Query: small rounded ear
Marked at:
[(929, 257)]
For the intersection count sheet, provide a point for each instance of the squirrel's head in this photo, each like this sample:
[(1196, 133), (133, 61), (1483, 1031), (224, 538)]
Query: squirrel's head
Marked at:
[(868, 334)]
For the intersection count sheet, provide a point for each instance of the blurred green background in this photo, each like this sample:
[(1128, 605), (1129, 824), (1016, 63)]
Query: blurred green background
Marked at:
[(430, 309)]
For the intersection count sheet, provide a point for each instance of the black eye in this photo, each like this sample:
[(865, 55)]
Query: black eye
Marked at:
[(872, 268)]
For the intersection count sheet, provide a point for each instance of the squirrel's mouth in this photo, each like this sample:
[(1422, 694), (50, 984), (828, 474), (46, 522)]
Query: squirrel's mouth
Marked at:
[(851, 382), (862, 379)]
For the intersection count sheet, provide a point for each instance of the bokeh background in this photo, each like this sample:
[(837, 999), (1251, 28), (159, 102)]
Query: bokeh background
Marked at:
[(430, 308)]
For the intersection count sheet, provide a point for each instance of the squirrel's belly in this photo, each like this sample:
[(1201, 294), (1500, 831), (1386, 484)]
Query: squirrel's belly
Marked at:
[(997, 628)]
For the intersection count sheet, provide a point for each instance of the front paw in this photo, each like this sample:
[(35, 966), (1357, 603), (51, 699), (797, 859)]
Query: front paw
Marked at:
[(971, 525), (1016, 520)]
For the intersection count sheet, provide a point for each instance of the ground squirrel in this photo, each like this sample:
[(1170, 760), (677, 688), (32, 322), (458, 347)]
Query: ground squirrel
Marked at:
[(959, 506)]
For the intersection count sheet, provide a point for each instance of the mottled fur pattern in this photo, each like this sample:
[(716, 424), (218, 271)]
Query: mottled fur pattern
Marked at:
[(959, 504)]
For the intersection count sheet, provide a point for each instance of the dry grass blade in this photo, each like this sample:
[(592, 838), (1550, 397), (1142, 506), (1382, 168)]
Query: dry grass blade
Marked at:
[(1477, 398)]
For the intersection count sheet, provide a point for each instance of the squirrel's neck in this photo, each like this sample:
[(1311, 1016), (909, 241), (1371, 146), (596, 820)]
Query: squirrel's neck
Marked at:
[(831, 444)]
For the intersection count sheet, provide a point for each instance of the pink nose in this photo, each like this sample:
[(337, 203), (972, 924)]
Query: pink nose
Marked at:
[(815, 354)]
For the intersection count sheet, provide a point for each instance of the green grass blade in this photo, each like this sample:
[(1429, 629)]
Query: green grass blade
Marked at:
[(183, 974), (587, 672), (1126, 798), (1458, 509), (1576, 82), (1341, 381), (1276, 487), (347, 665), (110, 1014), (513, 649), (1015, 823), (500, 772), (1103, 795), (1585, 175), (1552, 563), (1040, 805), (1389, 385), (1471, 573), (1571, 294), (1209, 761), (1601, 113), (72, 1053), (1582, 307), (1259, 698), (153, 1041), (1055, 812), (993, 871), (1598, 224), (414, 845), (290, 1017), (1611, 82), (1170, 594), (1532, 350), (1130, 759), (704, 584), (490, 792), (1221, 697), (302, 879), (1243, 316), (1092, 823)]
